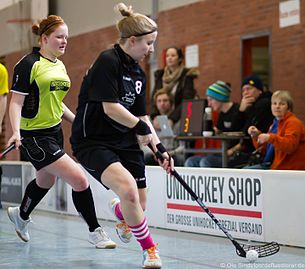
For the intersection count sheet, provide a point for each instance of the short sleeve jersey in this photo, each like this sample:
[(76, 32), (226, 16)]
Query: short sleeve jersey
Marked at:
[(114, 77), (3, 80), (45, 84)]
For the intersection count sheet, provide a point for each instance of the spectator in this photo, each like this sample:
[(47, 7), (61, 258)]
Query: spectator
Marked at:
[(163, 101), (254, 109), (284, 144), (179, 81), (218, 95)]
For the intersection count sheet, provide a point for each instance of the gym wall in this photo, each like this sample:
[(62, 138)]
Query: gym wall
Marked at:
[(216, 26)]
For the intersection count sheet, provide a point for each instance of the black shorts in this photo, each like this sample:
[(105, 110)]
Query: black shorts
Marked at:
[(43, 150), (96, 159)]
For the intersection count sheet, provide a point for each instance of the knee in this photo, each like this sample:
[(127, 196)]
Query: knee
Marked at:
[(46, 182), (193, 161), (204, 162), (189, 162), (130, 195), (80, 183)]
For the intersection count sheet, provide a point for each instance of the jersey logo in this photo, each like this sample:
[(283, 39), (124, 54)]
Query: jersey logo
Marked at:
[(129, 98), (138, 86), (59, 85), (126, 78)]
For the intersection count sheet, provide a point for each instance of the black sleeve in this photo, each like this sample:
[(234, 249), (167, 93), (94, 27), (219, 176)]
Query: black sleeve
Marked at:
[(104, 79), (263, 117), (22, 75), (189, 89)]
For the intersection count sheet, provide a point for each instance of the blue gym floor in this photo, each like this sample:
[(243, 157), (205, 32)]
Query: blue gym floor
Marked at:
[(60, 241)]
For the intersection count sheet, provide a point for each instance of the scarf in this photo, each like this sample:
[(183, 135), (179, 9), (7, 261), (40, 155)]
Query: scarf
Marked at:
[(170, 79), (270, 148)]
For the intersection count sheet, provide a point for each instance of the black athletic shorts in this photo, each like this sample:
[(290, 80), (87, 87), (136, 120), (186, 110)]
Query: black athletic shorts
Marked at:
[(42, 150), (96, 159)]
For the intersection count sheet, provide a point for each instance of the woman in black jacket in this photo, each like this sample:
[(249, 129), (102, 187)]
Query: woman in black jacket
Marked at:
[(178, 80)]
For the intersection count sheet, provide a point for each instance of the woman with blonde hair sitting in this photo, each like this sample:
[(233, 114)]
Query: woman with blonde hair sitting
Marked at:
[(284, 144)]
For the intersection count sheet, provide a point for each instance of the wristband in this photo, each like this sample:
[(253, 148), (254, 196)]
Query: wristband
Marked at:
[(160, 148), (141, 128)]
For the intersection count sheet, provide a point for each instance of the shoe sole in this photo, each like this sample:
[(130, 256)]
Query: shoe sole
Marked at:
[(152, 267), (105, 247), (17, 232)]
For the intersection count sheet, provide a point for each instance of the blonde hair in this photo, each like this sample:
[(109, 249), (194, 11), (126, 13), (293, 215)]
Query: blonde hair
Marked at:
[(284, 96), (47, 25), (133, 24)]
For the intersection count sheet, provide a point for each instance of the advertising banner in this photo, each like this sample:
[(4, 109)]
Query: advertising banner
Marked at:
[(11, 190), (235, 200)]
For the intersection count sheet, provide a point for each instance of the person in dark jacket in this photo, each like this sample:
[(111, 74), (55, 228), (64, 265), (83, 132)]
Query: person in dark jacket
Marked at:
[(179, 81), (254, 109)]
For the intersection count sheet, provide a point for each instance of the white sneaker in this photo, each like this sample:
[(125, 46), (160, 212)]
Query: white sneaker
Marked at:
[(151, 258), (20, 224), (100, 239), (123, 231)]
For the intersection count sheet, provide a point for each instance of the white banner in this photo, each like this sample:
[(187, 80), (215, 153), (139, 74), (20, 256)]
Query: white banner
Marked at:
[(251, 204), (235, 201)]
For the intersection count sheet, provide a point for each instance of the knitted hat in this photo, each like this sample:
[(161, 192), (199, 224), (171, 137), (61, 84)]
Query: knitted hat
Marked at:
[(254, 81), (219, 91)]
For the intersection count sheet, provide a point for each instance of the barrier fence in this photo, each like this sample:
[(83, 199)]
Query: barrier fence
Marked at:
[(255, 205)]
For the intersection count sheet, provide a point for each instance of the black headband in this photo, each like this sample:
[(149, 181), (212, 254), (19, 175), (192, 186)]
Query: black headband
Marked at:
[(145, 33), (47, 27)]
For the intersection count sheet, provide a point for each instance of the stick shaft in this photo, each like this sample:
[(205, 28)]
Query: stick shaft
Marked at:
[(206, 209), (202, 205), (7, 150)]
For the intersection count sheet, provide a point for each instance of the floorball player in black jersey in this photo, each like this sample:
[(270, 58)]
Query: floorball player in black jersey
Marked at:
[(36, 110), (111, 123)]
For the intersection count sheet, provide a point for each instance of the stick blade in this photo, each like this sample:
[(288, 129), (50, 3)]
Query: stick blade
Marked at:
[(262, 250)]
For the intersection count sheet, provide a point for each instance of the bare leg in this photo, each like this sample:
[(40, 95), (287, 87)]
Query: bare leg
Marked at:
[(143, 198), (118, 179), (67, 170)]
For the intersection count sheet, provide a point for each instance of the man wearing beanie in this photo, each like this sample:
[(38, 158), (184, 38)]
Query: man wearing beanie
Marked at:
[(219, 91), (254, 109), (218, 95)]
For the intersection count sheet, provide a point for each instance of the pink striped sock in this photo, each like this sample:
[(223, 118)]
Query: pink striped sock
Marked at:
[(118, 212), (141, 233)]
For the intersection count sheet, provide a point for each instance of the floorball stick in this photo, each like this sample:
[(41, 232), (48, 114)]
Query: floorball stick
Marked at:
[(241, 249), (7, 150)]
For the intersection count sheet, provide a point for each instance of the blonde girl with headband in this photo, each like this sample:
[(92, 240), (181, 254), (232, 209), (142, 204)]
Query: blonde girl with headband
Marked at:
[(111, 124), (40, 83)]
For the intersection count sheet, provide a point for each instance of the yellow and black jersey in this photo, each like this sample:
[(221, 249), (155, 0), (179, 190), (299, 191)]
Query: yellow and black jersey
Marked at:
[(45, 84)]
